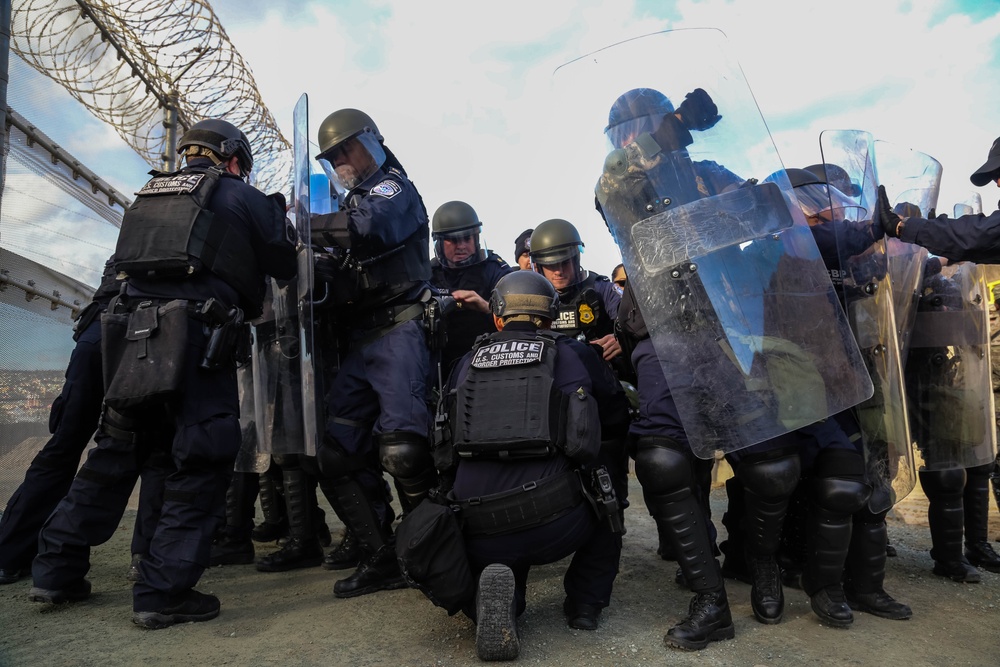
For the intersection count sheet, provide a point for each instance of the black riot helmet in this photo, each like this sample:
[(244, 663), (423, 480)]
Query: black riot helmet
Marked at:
[(456, 220), (634, 112), (524, 293), (220, 137), (344, 134)]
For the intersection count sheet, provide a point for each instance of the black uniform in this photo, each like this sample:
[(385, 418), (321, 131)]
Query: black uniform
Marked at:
[(246, 237), (463, 326), (483, 476)]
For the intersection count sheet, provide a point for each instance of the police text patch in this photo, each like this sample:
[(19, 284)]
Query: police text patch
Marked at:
[(508, 353), (181, 184), (387, 189)]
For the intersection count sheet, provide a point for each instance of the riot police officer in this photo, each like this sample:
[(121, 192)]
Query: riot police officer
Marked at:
[(467, 270), (377, 267), (588, 302), (73, 420), (520, 491), (194, 248)]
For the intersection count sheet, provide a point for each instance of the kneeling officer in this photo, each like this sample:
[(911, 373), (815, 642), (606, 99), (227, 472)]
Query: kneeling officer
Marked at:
[(527, 411)]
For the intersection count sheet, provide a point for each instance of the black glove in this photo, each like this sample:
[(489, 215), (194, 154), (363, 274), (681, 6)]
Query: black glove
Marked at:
[(884, 216), (698, 111), (672, 135), (326, 267)]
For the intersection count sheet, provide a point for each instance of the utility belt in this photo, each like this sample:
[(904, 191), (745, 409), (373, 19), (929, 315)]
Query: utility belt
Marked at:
[(145, 346), (530, 505), (431, 309), (537, 503)]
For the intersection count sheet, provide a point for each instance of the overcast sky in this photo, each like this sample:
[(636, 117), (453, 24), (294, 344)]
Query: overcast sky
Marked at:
[(460, 89), (456, 86)]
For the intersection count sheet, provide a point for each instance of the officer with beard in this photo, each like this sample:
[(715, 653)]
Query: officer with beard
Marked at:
[(467, 270), (377, 269), (195, 248)]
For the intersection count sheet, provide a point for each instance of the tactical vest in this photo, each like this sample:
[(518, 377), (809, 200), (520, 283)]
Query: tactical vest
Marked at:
[(375, 279), (508, 407), (169, 233), (583, 312)]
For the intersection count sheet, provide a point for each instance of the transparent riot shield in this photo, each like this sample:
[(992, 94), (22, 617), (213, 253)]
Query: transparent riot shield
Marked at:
[(277, 372), (948, 374), (971, 205), (309, 352), (249, 458), (863, 282), (912, 179), (747, 327)]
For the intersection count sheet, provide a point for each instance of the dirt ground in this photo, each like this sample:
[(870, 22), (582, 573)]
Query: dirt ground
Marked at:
[(292, 618)]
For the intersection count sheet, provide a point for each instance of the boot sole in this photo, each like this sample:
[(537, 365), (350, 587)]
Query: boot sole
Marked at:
[(391, 585), (892, 616), (152, 620), (961, 579), (496, 632), (56, 597), (721, 634)]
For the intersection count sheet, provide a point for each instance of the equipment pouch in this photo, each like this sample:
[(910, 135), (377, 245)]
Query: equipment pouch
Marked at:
[(432, 556), (582, 427), (144, 355)]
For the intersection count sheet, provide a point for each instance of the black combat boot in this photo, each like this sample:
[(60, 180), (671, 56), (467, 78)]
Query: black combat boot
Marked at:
[(830, 537), (345, 555), (976, 499), (302, 548), (946, 517), (272, 506), (378, 571), (708, 618), (865, 572), (762, 531)]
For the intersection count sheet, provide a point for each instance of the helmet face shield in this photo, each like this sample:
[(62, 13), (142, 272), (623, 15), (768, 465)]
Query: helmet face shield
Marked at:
[(821, 200), (459, 247), (624, 133), (353, 160)]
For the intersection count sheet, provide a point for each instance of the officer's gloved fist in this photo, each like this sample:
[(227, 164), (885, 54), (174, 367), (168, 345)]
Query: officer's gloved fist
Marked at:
[(884, 216), (698, 111), (672, 134), (325, 266)]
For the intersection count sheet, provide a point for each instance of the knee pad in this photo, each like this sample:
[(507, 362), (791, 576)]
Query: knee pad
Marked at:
[(661, 467), (770, 477), (840, 496), (942, 483), (404, 455)]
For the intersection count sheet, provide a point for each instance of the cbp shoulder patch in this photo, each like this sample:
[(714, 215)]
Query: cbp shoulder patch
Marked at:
[(387, 189)]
